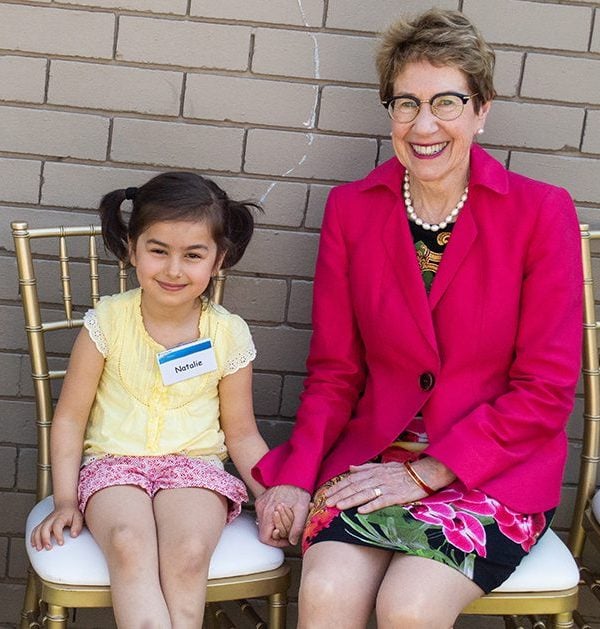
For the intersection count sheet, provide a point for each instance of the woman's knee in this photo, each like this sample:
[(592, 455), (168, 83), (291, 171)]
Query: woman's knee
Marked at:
[(400, 612)]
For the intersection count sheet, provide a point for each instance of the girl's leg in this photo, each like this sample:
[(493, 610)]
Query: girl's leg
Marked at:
[(422, 594), (122, 522), (339, 585), (189, 522)]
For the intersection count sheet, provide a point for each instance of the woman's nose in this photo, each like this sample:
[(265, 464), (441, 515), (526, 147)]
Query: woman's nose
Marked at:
[(425, 120)]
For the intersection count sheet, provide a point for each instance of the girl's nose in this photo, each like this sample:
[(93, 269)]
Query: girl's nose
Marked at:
[(174, 268)]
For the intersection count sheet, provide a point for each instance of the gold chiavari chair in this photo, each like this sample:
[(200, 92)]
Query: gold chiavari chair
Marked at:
[(543, 591), (75, 575)]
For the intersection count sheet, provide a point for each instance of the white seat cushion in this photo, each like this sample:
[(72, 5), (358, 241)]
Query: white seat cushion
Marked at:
[(596, 505), (548, 567), (81, 562)]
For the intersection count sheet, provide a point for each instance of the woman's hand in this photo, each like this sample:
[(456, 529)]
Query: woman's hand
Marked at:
[(53, 524), (374, 486)]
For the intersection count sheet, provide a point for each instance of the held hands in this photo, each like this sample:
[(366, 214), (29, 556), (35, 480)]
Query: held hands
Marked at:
[(281, 512), (53, 524)]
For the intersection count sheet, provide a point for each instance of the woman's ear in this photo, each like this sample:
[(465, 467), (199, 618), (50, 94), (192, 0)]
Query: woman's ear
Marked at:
[(483, 112)]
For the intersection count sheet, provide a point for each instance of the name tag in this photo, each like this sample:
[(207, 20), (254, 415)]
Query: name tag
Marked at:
[(186, 361)]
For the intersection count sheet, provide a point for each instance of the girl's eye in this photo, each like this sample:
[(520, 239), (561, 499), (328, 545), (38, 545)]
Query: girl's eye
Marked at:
[(194, 256), (156, 250)]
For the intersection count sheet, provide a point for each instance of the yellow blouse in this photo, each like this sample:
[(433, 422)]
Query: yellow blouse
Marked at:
[(134, 413)]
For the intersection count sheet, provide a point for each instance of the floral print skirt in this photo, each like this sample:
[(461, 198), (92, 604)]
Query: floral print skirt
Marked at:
[(464, 529)]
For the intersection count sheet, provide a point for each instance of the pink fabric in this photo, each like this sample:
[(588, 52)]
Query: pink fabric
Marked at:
[(153, 473), (500, 332)]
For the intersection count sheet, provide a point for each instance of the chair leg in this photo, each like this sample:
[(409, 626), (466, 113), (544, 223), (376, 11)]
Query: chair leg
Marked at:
[(56, 617), (564, 621), (277, 610), (30, 613)]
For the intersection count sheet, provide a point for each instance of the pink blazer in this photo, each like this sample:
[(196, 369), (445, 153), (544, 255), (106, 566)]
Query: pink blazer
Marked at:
[(491, 356)]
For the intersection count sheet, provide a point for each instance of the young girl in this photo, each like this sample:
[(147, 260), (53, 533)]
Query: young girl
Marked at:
[(157, 394)]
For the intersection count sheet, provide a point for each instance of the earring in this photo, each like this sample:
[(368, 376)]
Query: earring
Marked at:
[(480, 131)]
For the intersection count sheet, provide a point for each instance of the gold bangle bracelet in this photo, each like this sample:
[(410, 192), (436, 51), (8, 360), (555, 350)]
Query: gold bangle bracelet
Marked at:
[(417, 479)]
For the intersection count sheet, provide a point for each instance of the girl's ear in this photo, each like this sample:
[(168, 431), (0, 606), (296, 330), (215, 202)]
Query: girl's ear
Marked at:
[(131, 251), (218, 263)]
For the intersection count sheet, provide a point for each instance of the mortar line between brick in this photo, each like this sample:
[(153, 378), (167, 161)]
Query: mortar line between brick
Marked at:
[(583, 128), (592, 26)]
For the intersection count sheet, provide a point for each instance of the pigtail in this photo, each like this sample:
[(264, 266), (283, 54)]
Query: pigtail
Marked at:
[(239, 225), (114, 228)]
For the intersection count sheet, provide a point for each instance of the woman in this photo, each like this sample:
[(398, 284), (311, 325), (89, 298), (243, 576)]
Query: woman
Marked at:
[(444, 357)]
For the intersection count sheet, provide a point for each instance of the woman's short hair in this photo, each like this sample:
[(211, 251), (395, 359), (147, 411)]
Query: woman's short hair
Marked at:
[(441, 37)]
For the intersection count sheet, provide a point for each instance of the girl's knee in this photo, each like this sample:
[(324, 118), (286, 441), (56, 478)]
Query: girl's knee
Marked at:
[(190, 557)]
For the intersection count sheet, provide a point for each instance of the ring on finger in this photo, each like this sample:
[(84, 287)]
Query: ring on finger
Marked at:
[(377, 491)]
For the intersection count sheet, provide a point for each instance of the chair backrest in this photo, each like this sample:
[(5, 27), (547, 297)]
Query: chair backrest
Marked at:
[(590, 453), (61, 275)]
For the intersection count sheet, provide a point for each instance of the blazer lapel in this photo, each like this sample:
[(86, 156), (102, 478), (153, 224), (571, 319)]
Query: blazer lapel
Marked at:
[(461, 241), (400, 249)]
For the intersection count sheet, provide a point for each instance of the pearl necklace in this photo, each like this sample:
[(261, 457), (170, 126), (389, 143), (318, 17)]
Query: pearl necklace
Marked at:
[(412, 215)]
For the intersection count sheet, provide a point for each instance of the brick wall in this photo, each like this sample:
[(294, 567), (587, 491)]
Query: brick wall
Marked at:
[(275, 100)]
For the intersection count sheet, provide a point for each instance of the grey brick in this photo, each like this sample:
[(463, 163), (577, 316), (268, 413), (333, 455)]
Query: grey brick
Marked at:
[(3, 553), (11, 598), (314, 55), (118, 88), (595, 46), (317, 197), (53, 133), (27, 469), (8, 467), (9, 287), (281, 253), (386, 151), (280, 349), (20, 180), (14, 508), (591, 138), (82, 186), (183, 43), (534, 126), (22, 79), (274, 432), (305, 13), (17, 423), (267, 391), (19, 563), (176, 144), (565, 78), (308, 155), (178, 7), (507, 72), (300, 307), (256, 299), (56, 31), (374, 16), (292, 387), (539, 24), (576, 174), (258, 101), (283, 202), (353, 110), (12, 335), (9, 367)]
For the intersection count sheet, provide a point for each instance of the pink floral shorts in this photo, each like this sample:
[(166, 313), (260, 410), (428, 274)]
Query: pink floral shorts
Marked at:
[(153, 473)]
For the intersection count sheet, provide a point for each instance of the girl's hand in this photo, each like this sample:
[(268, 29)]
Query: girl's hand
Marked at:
[(283, 519), (53, 524)]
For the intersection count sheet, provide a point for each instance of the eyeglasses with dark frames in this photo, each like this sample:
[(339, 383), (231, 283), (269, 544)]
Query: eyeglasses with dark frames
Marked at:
[(445, 106)]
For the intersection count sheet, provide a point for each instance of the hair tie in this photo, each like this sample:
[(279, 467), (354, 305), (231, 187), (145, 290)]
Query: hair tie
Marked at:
[(130, 193)]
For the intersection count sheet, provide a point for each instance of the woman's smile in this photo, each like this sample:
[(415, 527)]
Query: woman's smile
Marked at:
[(428, 150)]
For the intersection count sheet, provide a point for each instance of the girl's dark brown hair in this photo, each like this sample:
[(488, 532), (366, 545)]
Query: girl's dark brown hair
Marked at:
[(178, 196)]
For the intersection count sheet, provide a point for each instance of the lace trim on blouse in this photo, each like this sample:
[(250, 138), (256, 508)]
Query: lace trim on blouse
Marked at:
[(90, 321), (238, 361)]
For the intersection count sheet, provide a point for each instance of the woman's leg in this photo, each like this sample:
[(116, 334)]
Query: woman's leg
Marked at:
[(422, 594), (189, 522), (339, 585), (121, 520)]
